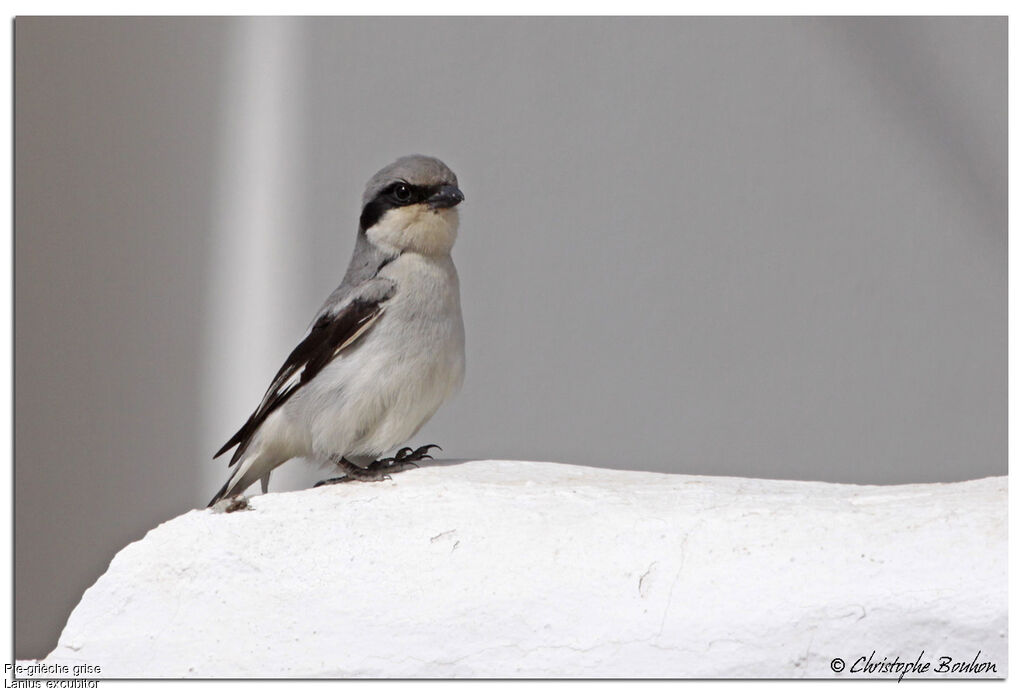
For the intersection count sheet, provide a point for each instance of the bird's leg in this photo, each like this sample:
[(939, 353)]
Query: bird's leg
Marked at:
[(404, 459), (354, 472)]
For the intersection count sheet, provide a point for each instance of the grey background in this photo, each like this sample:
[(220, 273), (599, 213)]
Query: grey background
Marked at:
[(764, 247)]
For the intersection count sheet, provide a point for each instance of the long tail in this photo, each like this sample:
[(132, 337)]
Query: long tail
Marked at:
[(247, 471)]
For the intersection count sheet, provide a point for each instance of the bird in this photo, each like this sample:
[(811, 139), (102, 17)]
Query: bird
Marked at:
[(383, 353)]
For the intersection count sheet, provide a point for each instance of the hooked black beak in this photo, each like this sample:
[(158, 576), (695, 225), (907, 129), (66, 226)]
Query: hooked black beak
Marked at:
[(446, 196)]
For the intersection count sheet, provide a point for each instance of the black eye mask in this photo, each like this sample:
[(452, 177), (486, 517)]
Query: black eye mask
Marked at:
[(397, 194)]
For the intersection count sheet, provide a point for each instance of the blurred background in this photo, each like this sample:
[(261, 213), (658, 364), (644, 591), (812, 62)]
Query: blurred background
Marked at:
[(766, 247)]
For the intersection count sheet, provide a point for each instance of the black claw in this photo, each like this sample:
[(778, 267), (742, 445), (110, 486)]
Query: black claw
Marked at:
[(408, 455), (378, 470), (333, 480)]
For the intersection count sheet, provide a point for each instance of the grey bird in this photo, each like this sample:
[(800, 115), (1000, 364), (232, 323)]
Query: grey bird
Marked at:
[(384, 351)]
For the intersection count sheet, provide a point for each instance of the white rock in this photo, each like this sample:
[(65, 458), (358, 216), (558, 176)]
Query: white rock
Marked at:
[(519, 569)]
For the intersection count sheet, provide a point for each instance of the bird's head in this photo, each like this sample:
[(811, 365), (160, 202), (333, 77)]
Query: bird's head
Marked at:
[(411, 205)]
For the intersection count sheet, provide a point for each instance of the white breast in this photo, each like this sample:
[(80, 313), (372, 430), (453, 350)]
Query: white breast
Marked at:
[(377, 395)]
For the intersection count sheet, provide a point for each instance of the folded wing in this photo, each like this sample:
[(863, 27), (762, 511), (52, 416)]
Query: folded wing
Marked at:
[(331, 333)]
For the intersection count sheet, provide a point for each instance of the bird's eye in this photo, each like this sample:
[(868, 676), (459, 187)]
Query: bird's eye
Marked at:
[(402, 193)]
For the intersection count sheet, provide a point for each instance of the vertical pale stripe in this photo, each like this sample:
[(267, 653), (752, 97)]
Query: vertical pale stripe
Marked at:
[(256, 292)]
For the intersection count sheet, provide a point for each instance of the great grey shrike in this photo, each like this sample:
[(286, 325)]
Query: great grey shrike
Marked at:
[(384, 351)]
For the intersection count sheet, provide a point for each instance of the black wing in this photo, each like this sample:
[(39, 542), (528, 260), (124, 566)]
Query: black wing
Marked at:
[(330, 334)]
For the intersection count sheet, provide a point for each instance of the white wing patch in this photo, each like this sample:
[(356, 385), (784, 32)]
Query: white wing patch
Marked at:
[(359, 331)]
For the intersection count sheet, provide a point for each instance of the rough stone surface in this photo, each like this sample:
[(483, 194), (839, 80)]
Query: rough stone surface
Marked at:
[(521, 569)]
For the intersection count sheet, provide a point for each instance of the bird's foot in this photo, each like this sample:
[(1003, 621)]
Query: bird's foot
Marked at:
[(332, 480), (407, 456), (354, 473), (378, 470)]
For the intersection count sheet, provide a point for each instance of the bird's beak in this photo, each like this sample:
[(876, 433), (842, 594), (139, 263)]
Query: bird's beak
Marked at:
[(446, 196)]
